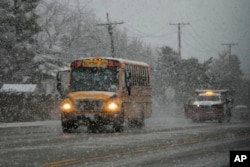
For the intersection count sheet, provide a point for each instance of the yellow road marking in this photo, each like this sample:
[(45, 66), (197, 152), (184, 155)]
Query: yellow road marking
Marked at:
[(62, 162), (102, 157), (135, 150)]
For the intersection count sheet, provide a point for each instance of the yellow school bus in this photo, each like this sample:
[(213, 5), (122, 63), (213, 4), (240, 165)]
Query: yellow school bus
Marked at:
[(105, 91)]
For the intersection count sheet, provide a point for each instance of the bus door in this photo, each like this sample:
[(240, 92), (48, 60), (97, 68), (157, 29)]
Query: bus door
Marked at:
[(62, 78)]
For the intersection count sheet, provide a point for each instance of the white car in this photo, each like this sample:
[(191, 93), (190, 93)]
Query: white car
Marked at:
[(206, 99), (210, 105)]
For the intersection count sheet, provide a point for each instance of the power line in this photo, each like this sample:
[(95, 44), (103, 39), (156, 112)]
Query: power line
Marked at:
[(179, 34), (110, 30), (142, 34), (229, 47), (207, 46)]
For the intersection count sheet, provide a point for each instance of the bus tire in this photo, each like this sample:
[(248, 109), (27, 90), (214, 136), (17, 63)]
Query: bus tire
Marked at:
[(131, 123), (68, 125), (141, 122), (137, 122), (118, 128), (118, 124)]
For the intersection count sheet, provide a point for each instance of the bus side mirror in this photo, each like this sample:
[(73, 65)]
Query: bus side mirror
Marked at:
[(61, 85), (128, 83)]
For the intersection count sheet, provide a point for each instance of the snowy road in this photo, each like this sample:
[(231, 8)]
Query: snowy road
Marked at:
[(164, 142)]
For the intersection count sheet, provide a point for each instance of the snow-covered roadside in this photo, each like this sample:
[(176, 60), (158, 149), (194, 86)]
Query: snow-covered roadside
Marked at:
[(26, 124)]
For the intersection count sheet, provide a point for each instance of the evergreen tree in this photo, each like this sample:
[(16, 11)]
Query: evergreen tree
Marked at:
[(242, 95), (192, 76), (225, 72), (184, 76), (25, 19), (18, 25), (166, 74)]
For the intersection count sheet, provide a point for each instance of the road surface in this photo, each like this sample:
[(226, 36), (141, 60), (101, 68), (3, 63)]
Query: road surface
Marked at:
[(173, 142)]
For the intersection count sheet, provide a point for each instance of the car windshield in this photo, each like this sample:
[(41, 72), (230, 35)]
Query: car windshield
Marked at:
[(208, 98), (94, 79)]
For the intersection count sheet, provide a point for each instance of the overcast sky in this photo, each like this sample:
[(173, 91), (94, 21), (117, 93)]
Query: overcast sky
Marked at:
[(212, 22)]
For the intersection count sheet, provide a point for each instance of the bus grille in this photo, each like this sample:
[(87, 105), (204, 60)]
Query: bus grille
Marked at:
[(204, 107), (88, 104)]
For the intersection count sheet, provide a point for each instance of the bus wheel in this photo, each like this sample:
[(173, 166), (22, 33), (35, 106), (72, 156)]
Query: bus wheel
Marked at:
[(118, 124), (137, 123), (141, 123), (118, 127), (131, 123), (68, 125)]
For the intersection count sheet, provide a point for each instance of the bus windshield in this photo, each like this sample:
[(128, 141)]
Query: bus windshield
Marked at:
[(94, 79)]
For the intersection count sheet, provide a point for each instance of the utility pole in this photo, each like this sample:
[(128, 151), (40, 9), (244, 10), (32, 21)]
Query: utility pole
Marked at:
[(110, 30), (229, 47), (179, 35)]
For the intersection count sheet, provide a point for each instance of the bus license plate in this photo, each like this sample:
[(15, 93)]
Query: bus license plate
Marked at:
[(90, 116)]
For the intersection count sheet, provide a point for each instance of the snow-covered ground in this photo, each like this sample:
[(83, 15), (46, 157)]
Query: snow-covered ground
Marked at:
[(166, 140)]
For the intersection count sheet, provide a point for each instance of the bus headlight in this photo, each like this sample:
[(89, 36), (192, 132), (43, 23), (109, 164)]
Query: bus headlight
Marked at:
[(112, 106), (66, 107)]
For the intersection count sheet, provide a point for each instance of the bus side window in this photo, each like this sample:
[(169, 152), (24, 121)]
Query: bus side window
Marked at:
[(123, 79), (128, 82)]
